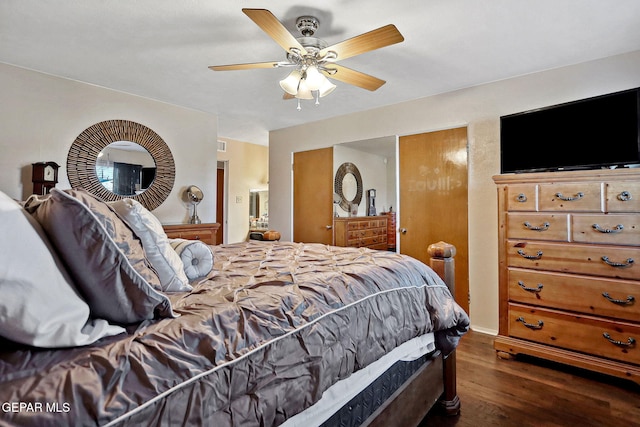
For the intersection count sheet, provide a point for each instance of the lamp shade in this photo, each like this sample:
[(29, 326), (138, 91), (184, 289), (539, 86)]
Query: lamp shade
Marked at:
[(326, 88), (313, 78), (303, 91), (291, 82)]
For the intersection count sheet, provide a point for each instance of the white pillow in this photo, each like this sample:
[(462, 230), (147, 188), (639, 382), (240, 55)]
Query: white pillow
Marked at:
[(196, 257), (154, 240), (39, 305)]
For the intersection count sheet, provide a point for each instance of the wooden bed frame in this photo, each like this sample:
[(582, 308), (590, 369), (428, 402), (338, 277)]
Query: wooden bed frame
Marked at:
[(435, 382)]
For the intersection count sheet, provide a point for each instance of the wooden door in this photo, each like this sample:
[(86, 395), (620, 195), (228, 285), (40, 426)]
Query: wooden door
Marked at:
[(433, 199), (220, 205), (313, 196)]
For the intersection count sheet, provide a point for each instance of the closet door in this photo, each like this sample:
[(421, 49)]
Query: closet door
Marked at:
[(433, 198), (313, 196)]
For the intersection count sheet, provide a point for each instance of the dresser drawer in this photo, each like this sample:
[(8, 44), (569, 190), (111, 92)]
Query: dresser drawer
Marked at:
[(581, 197), (366, 232), (616, 229), (521, 197), (538, 226), (623, 196), (586, 334), (203, 232), (203, 235), (598, 260), (599, 296)]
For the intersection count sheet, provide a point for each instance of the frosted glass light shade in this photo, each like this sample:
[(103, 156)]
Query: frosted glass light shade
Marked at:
[(303, 91), (313, 78), (291, 82), (326, 88)]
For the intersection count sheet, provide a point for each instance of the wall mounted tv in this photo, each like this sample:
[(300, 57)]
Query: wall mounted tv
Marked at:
[(593, 133)]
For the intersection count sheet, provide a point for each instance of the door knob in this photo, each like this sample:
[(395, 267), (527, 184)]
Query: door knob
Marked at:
[(403, 230), (328, 227)]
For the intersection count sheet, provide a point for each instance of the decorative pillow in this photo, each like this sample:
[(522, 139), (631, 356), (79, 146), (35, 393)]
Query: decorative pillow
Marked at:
[(161, 255), (104, 258), (196, 257), (38, 303)]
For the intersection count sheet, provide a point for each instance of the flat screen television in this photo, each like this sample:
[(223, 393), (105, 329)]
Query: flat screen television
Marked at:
[(593, 133)]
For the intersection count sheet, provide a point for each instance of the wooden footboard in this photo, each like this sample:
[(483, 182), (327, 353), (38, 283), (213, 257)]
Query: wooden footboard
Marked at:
[(442, 262), (435, 382)]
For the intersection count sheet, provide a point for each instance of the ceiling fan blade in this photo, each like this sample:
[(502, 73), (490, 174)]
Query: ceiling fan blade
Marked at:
[(352, 77), (248, 66), (383, 36), (274, 28), (287, 96)]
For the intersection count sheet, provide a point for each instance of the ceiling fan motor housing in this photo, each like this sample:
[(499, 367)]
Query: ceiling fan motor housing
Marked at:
[(307, 25)]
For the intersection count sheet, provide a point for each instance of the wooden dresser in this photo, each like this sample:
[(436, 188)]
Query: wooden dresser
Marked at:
[(204, 232), (363, 231), (569, 253)]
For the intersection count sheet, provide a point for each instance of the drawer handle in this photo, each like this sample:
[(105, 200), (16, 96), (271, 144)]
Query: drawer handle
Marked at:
[(627, 263), (530, 325), (578, 196), (630, 341), (625, 196), (525, 256), (618, 228), (536, 290), (521, 198), (630, 299), (543, 227)]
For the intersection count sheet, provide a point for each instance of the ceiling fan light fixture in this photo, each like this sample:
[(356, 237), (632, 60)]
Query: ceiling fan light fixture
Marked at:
[(313, 59), (314, 78), (303, 91), (326, 88), (290, 83)]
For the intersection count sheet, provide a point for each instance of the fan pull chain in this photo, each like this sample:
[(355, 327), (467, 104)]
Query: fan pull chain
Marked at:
[(317, 97), (299, 107)]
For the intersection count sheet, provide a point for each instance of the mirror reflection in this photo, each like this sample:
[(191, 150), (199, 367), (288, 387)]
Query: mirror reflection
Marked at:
[(349, 186), (259, 209), (125, 168)]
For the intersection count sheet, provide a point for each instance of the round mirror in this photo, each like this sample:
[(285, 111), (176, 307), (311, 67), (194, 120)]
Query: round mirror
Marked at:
[(348, 185), (125, 168), (82, 161), (195, 196)]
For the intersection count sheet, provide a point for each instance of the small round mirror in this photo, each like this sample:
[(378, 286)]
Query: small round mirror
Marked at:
[(195, 196)]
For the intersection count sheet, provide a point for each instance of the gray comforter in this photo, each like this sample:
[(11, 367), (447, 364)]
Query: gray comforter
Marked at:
[(271, 328)]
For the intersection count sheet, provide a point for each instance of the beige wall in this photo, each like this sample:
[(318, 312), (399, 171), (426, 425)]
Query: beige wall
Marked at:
[(41, 116), (479, 108), (248, 169)]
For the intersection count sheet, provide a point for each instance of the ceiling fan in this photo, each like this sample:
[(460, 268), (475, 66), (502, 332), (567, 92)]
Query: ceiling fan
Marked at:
[(312, 59)]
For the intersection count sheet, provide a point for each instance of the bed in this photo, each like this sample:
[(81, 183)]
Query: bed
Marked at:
[(266, 337)]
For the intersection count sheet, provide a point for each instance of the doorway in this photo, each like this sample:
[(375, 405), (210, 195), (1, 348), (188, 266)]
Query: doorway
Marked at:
[(221, 201)]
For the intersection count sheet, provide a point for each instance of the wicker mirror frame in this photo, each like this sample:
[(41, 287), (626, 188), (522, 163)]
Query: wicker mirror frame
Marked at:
[(345, 169), (83, 154)]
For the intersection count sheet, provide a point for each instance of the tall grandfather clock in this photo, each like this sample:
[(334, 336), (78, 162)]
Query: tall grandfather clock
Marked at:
[(44, 177)]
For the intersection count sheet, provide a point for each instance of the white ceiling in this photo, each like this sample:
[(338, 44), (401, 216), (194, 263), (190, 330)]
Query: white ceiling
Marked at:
[(160, 49)]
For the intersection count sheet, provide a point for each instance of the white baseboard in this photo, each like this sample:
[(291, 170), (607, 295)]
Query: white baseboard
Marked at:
[(484, 330)]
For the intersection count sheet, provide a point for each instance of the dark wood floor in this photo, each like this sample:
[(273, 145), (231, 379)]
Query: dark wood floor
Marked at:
[(530, 392)]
